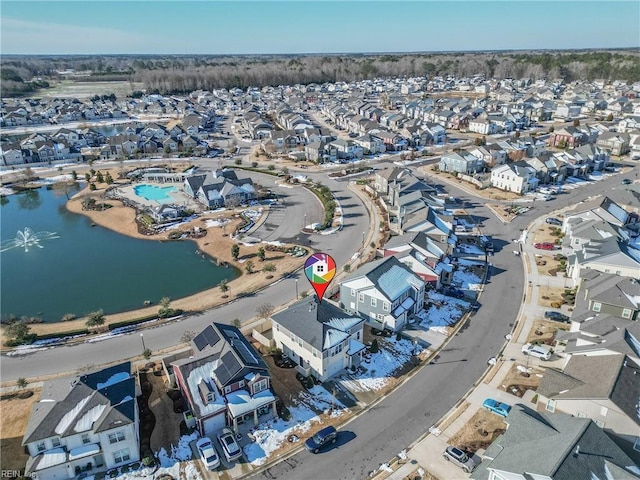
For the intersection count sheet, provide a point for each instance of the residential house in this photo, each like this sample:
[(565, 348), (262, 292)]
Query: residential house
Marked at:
[(512, 177), (608, 255), (616, 143), (566, 137), (224, 380), (604, 388), (319, 337), (462, 162), (385, 292), (553, 446), (84, 424)]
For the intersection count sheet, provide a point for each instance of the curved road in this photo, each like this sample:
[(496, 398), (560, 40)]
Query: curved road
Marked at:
[(298, 202)]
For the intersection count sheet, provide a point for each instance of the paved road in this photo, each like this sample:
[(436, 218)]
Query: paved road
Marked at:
[(379, 434), (341, 246)]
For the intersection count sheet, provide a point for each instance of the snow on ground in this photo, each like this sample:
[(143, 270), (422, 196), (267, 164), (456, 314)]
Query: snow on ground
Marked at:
[(393, 354), (444, 311), (179, 453), (466, 279), (216, 223), (271, 435)]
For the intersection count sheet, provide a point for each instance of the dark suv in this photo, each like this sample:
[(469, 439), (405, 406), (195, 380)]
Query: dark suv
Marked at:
[(556, 316), (324, 437)]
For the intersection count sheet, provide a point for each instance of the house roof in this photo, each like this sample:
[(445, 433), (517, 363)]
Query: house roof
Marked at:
[(544, 444), (322, 325), (96, 401)]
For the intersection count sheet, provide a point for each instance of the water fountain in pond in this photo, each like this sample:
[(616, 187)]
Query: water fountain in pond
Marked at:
[(27, 238)]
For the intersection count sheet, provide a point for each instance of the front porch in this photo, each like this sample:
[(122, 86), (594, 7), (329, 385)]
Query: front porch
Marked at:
[(245, 412)]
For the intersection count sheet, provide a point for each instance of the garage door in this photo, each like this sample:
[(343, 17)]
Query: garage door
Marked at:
[(213, 425), (334, 368)]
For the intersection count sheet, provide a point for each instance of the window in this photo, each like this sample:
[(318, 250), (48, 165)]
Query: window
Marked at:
[(241, 384), (353, 292), (361, 297), (551, 406), (121, 456), (314, 352), (55, 441), (636, 445), (260, 386), (86, 438), (358, 336), (227, 389), (385, 306), (581, 415), (299, 341), (292, 337), (116, 437), (599, 423), (277, 327), (626, 313), (374, 302), (596, 306), (41, 446)]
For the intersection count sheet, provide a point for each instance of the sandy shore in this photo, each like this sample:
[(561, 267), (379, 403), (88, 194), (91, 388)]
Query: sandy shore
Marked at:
[(121, 219)]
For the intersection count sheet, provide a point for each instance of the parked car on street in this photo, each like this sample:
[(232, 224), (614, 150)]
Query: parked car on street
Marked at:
[(496, 407), (626, 181), (536, 351), (208, 453), (460, 458), (556, 316), (324, 437), (229, 445), (544, 246), (554, 221)]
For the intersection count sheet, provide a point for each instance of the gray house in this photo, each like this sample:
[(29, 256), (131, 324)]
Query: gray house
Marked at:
[(556, 446), (386, 293), (462, 162), (219, 188), (604, 388)]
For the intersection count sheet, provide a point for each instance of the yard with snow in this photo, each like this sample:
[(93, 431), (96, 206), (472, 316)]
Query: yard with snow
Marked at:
[(272, 435), (441, 312), (379, 368)]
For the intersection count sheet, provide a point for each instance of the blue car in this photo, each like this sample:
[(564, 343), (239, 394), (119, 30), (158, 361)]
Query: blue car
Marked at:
[(496, 407)]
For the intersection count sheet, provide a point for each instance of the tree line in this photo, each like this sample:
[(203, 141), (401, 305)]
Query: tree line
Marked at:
[(174, 74)]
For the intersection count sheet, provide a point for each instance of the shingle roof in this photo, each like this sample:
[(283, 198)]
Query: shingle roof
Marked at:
[(545, 444)]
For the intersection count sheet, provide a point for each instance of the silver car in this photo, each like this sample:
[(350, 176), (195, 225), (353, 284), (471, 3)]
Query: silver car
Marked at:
[(460, 458)]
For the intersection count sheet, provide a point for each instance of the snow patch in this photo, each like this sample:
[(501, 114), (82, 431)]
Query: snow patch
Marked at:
[(113, 379), (87, 420), (65, 422)]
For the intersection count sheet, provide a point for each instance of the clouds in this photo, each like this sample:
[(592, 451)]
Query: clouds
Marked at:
[(29, 37)]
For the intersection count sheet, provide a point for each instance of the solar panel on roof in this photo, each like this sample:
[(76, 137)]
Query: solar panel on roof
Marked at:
[(200, 341), (227, 368), (211, 335), (245, 353)]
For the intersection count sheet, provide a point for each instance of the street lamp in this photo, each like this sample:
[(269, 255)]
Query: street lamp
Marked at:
[(144, 348), (296, 280), (363, 234)]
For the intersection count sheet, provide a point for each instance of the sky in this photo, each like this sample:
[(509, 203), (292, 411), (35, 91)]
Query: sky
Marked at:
[(305, 26)]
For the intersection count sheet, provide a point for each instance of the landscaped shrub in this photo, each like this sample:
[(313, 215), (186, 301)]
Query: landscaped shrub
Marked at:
[(374, 346)]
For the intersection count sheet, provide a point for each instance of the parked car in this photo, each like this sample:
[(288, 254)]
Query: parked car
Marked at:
[(208, 453), (460, 458), (556, 316), (229, 445), (626, 181), (496, 407), (536, 351), (321, 439), (453, 292), (544, 246), (554, 221)]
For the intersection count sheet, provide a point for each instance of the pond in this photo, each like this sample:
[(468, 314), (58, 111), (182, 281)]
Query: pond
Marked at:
[(58, 263)]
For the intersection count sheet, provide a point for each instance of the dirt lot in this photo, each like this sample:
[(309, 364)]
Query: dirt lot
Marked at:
[(517, 384), (545, 331), (479, 432), (14, 415), (283, 381), (548, 295), (549, 266), (543, 234)]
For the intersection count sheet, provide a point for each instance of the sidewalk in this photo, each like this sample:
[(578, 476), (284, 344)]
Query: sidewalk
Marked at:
[(427, 452)]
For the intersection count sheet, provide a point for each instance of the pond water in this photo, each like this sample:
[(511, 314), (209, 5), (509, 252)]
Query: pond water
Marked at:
[(83, 268)]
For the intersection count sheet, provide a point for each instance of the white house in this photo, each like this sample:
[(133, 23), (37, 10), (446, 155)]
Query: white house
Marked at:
[(85, 423), (320, 338), (514, 178)]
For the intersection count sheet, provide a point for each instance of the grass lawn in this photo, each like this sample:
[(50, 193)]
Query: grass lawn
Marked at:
[(14, 415)]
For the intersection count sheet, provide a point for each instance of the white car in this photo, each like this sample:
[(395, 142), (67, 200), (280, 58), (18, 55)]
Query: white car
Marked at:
[(208, 453), (229, 445), (536, 351)]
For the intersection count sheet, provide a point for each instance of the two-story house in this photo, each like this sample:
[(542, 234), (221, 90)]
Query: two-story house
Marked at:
[(224, 379), (385, 292), (86, 423), (604, 388), (514, 178), (320, 338)]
